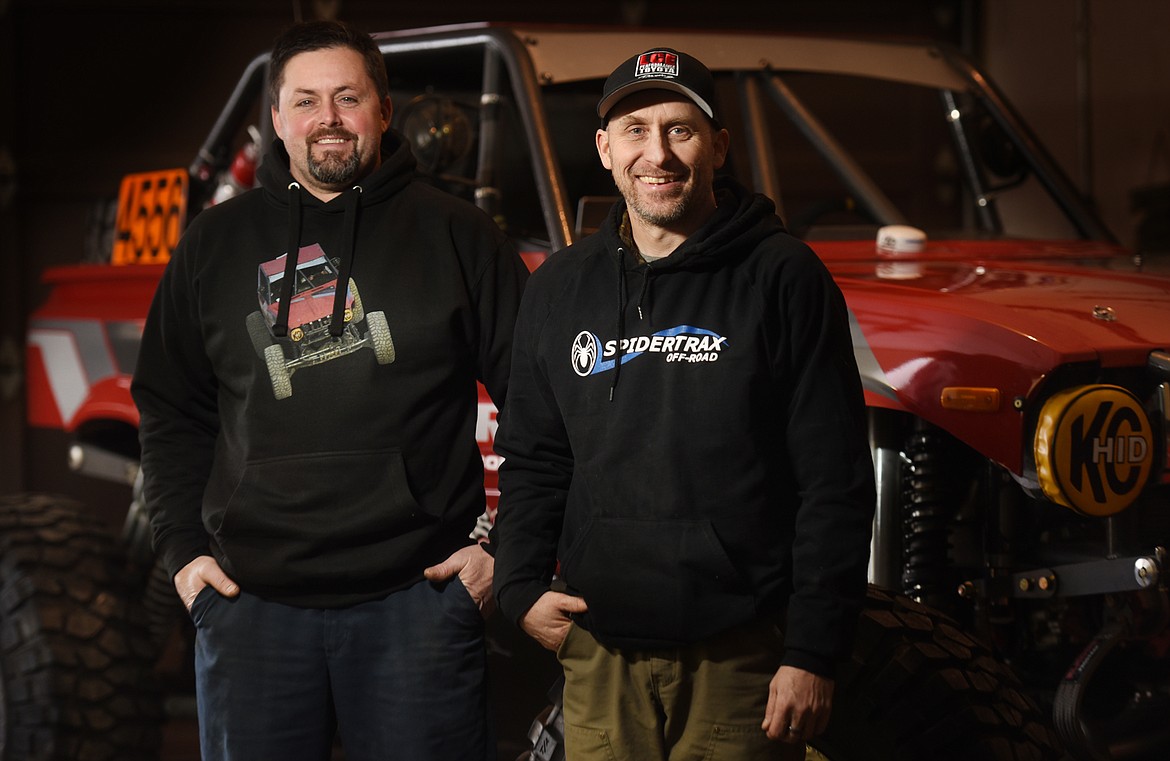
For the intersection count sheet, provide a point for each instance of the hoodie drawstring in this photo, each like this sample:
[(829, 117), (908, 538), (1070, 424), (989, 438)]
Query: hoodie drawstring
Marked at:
[(646, 275), (288, 285), (348, 227), (643, 298), (621, 320)]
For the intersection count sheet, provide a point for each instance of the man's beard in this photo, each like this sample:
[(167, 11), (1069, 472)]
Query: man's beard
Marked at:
[(334, 168), (661, 212)]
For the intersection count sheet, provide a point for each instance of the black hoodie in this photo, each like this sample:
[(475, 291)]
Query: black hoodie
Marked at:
[(716, 472), (322, 448)]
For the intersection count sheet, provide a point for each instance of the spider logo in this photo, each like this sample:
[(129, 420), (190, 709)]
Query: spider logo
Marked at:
[(584, 353)]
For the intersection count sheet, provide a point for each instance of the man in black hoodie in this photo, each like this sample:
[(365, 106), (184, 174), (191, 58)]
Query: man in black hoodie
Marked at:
[(685, 453), (308, 448)]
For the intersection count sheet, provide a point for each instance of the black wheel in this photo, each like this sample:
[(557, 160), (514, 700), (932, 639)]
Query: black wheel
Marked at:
[(918, 688), (75, 652)]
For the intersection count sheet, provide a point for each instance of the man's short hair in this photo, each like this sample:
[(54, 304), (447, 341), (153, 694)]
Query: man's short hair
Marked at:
[(307, 36)]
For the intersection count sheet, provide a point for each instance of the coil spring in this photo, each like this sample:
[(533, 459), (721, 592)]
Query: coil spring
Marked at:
[(926, 512)]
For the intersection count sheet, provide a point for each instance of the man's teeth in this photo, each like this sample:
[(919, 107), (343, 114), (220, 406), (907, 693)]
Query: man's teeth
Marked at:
[(331, 140), (655, 180)]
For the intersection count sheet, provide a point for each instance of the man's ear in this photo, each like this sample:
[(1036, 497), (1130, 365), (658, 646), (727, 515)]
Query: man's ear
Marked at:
[(722, 142), (276, 122), (603, 148), (387, 112)]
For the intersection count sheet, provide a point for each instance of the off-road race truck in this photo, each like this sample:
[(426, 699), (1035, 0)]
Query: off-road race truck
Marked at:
[(309, 340), (1015, 360)]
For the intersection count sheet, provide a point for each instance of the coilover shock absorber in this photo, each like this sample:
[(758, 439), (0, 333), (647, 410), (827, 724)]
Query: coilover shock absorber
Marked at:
[(927, 509)]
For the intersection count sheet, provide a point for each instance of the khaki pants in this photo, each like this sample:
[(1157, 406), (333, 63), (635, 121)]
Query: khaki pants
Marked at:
[(701, 702)]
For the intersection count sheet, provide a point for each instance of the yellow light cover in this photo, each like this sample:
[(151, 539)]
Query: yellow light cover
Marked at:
[(1094, 449)]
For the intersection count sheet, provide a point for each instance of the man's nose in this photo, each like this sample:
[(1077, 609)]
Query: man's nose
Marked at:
[(658, 147), (330, 114)]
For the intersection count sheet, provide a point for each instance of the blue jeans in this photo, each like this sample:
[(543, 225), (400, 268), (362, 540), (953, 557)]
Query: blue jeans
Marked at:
[(398, 678)]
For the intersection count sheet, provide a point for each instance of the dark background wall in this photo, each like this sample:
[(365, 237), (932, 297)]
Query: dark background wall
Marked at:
[(92, 89)]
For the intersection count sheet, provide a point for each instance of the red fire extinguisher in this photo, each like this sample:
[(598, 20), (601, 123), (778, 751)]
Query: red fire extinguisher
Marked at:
[(241, 174)]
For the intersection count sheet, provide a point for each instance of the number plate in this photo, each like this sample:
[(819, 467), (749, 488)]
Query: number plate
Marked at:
[(152, 211)]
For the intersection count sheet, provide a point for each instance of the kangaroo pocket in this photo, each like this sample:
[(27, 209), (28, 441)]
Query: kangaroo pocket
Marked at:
[(318, 519), (663, 580)]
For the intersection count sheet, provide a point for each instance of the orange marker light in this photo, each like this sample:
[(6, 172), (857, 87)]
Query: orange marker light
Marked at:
[(970, 399)]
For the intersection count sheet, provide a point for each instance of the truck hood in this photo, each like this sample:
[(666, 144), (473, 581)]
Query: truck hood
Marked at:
[(993, 314), (1077, 301)]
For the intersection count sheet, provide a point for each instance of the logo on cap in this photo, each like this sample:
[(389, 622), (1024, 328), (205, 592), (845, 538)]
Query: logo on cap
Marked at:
[(657, 63)]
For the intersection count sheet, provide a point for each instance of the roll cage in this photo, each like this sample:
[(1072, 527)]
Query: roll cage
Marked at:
[(487, 72)]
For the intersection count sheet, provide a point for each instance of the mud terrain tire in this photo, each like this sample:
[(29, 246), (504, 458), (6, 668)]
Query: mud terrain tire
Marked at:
[(380, 337), (359, 311), (918, 688), (75, 663), (278, 372), (259, 333)]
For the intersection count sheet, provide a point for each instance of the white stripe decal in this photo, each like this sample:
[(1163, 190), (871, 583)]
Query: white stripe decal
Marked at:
[(873, 378), (63, 366)]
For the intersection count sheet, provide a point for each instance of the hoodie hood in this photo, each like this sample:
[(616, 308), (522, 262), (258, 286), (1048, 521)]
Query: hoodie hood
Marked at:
[(742, 220), (394, 173)]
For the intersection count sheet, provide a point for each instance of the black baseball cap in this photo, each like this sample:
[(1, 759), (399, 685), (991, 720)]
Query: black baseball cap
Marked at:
[(660, 69)]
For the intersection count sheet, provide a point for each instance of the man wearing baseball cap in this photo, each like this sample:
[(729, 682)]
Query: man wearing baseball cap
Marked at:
[(687, 490)]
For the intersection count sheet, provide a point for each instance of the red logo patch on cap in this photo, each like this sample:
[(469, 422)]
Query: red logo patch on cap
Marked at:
[(657, 63)]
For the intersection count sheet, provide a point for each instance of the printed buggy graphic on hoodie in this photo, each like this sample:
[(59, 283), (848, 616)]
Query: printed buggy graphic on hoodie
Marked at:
[(304, 333)]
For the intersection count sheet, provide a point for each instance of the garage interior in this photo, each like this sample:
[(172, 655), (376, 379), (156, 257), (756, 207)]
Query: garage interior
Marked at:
[(97, 88)]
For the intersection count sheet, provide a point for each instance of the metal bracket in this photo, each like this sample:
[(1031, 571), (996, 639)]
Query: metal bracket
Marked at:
[(1097, 577)]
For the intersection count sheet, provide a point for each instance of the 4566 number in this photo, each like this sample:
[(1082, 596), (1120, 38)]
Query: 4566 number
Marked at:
[(152, 210)]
